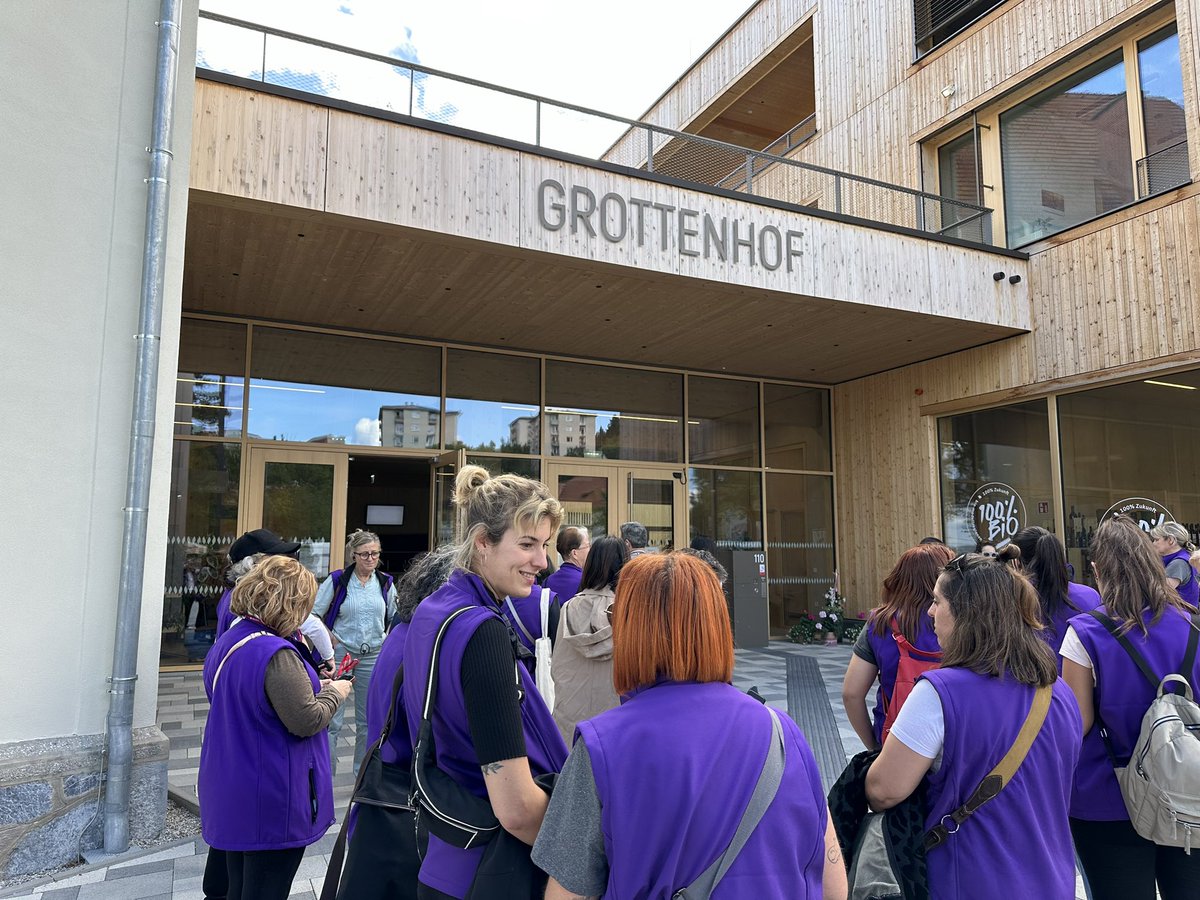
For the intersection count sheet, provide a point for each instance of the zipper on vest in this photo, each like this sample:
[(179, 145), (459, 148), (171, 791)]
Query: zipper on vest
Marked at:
[(312, 793)]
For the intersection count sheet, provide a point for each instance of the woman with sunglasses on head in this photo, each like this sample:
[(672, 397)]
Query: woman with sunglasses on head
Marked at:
[(1175, 546), (655, 789), (356, 604), (902, 614), (1113, 697), (959, 723), (1044, 560), (492, 731)]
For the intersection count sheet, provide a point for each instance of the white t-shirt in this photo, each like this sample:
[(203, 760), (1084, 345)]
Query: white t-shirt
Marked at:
[(1073, 649), (920, 726)]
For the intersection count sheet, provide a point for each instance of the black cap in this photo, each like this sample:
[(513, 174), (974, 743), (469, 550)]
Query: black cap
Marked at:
[(261, 540)]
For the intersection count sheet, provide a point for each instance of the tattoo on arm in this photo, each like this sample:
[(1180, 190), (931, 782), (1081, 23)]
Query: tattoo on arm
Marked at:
[(834, 853), (492, 768)]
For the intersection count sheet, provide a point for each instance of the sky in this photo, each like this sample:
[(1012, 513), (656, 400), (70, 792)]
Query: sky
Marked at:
[(616, 56)]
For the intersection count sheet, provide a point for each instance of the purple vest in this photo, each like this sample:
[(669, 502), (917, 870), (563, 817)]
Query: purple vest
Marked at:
[(1083, 598), (565, 581), (225, 615), (1190, 592), (340, 587), (887, 660), (675, 766), (260, 787), (1122, 695), (1019, 844), (447, 868), (398, 747), (529, 610)]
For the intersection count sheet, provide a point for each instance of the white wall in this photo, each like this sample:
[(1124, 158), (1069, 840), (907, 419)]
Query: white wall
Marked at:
[(76, 117)]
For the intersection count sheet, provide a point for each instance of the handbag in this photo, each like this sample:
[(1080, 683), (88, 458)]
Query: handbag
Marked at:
[(542, 648), (384, 855), (765, 788)]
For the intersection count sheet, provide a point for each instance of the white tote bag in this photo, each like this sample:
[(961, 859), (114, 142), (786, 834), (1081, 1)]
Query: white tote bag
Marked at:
[(541, 650)]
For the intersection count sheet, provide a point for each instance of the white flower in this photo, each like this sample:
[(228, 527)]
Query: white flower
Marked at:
[(823, 614), (833, 617)]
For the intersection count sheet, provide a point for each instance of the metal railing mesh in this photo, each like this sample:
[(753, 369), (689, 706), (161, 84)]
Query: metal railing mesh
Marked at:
[(1161, 171), (395, 85)]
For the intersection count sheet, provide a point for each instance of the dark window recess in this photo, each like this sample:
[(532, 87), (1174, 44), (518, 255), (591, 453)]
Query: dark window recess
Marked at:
[(934, 21)]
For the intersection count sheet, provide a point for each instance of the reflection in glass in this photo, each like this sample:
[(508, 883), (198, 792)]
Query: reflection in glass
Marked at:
[(1066, 154), (209, 388), (495, 401), (800, 561), (1162, 90), (723, 421), (995, 473), (201, 524), (958, 179), (585, 502), (726, 506), (606, 412), (652, 502), (1124, 441), (507, 465), (298, 506), (796, 425), (330, 389)]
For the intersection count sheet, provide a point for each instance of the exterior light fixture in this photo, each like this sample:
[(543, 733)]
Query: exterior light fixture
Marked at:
[(948, 91), (1014, 279), (997, 276)]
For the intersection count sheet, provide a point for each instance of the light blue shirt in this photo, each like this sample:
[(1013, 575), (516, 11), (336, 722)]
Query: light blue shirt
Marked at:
[(362, 615)]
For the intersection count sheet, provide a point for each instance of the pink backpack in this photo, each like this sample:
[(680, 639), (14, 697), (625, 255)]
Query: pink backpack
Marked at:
[(913, 661)]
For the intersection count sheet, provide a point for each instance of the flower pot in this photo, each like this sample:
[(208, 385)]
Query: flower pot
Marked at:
[(830, 639)]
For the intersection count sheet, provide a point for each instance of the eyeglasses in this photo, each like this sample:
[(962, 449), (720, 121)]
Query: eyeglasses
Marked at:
[(368, 554), (965, 561), (993, 554)]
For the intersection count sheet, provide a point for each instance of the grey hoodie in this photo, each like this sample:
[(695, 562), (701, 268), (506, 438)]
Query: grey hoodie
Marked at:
[(582, 663)]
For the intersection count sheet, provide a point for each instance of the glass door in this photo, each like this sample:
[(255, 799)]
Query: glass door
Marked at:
[(601, 498), (588, 496), (656, 499), (442, 471), (301, 496)]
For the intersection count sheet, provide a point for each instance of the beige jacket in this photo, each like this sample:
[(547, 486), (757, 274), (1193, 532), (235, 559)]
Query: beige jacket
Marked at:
[(582, 663)]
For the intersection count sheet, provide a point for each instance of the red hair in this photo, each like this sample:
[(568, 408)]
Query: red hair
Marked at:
[(669, 620), (908, 589)]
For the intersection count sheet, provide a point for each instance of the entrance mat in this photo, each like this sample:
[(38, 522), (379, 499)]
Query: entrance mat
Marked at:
[(808, 705)]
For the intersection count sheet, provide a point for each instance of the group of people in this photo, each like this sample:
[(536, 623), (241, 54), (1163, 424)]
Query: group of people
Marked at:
[(651, 774)]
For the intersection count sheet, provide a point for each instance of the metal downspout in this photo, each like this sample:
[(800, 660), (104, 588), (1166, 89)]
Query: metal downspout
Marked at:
[(119, 725)]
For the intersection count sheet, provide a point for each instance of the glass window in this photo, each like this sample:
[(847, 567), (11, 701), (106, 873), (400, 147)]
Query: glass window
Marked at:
[(1066, 153), (958, 179), (495, 399), (995, 469), (796, 421), (800, 562), (723, 421), (209, 388), (329, 389), (726, 506), (201, 524), (506, 465), (1130, 448), (605, 412), (1165, 125)]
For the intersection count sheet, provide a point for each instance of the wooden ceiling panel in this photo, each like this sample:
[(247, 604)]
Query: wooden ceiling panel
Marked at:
[(261, 261)]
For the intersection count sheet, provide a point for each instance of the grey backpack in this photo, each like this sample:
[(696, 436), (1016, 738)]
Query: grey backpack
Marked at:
[(1161, 783)]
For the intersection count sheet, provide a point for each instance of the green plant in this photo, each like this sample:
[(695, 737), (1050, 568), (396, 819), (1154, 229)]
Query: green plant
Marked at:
[(851, 629), (831, 618), (802, 632)]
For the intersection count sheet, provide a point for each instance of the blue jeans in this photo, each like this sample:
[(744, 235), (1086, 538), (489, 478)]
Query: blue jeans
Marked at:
[(362, 678)]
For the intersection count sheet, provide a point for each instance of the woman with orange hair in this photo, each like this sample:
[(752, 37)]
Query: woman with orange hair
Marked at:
[(654, 790), (897, 628)]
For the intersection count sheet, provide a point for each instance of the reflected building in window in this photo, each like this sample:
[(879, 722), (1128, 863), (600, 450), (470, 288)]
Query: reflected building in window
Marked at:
[(412, 426), (571, 434)]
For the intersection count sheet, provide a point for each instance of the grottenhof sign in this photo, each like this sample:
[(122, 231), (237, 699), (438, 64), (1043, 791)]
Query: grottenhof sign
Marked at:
[(618, 219)]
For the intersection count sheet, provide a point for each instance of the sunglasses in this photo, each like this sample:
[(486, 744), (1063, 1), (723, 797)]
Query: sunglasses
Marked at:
[(966, 561)]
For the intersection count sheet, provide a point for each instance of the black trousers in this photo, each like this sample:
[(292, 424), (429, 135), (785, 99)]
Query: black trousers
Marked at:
[(1121, 865), (262, 874), (216, 875)]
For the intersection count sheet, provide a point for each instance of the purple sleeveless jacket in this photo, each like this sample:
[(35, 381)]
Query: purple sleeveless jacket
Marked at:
[(1019, 844), (1083, 599), (1190, 592), (225, 615), (565, 581), (341, 586), (398, 747), (529, 610), (887, 660), (260, 786), (1122, 695), (446, 868), (675, 766)]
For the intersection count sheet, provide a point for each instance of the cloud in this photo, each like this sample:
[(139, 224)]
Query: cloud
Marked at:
[(366, 433)]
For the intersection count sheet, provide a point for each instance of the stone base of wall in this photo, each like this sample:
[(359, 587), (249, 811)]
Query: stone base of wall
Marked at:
[(51, 798)]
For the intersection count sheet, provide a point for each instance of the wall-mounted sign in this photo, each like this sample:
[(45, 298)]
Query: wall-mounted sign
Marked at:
[(618, 218), (1146, 512), (997, 512)]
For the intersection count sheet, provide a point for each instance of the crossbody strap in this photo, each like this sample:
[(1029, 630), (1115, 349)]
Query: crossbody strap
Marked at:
[(247, 639), (517, 620), (545, 604), (431, 686), (1001, 775), (764, 792)]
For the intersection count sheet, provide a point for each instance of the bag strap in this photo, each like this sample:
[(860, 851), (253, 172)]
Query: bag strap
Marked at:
[(431, 685), (545, 604), (247, 639), (337, 853), (764, 792), (1002, 774), (517, 620)]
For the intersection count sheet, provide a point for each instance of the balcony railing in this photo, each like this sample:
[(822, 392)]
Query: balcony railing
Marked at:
[(395, 85), (1161, 171)]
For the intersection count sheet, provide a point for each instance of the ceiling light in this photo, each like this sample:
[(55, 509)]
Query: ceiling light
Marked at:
[(1182, 387)]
